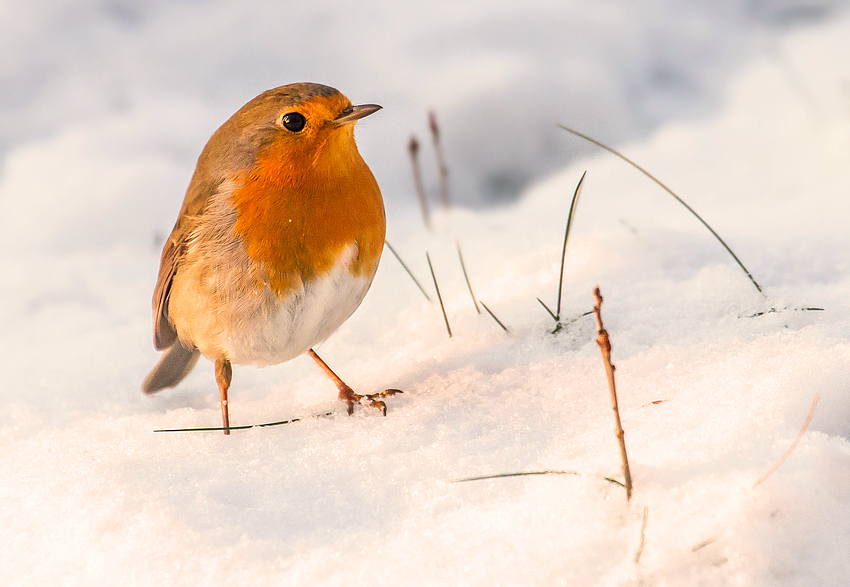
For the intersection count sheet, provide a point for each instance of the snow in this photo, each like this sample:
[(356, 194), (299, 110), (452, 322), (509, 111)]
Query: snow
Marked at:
[(742, 108)]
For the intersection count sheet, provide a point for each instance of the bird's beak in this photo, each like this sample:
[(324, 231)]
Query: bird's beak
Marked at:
[(355, 113)]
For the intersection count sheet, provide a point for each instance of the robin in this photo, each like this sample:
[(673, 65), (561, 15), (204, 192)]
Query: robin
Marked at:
[(276, 244)]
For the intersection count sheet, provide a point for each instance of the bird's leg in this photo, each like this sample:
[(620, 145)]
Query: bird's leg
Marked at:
[(223, 375), (348, 395)]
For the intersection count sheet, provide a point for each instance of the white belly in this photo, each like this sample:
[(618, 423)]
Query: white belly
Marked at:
[(284, 329)]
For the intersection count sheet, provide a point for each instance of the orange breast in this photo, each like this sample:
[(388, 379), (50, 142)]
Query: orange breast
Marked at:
[(300, 208)]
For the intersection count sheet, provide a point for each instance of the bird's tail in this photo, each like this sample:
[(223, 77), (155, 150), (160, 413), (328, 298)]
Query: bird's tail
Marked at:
[(174, 365)]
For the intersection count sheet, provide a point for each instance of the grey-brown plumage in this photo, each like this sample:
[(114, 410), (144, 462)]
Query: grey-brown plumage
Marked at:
[(277, 241), (231, 148)]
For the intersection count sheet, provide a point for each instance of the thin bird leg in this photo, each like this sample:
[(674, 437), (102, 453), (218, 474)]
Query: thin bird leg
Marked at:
[(223, 375), (348, 395)]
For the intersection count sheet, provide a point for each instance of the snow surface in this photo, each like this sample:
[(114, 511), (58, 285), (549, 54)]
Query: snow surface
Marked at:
[(105, 107)]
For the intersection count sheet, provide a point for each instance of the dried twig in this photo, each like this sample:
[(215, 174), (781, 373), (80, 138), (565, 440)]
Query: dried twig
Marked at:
[(409, 272), (642, 535), (704, 543), (413, 149), (441, 162), (499, 322), (604, 343), (439, 297), (669, 191), (793, 444), (466, 277)]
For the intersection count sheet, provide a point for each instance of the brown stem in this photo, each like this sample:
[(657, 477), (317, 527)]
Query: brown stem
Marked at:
[(604, 343), (441, 162), (793, 444), (413, 149)]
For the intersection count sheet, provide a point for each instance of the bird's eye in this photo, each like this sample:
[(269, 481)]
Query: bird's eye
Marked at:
[(293, 121)]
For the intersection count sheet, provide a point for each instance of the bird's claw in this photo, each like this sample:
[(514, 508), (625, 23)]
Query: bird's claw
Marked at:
[(350, 397)]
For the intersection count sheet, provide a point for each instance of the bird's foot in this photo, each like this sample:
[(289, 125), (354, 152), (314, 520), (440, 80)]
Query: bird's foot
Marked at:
[(350, 397)]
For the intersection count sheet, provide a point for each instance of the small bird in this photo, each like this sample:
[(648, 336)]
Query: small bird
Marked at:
[(276, 244)]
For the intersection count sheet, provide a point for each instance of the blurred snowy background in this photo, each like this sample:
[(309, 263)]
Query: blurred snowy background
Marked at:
[(742, 106), (151, 80)]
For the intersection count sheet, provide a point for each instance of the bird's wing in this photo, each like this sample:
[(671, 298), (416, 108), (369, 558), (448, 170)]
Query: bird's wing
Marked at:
[(226, 153), (164, 334), (194, 204)]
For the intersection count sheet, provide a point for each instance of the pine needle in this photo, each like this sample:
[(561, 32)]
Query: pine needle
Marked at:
[(466, 277), (669, 191), (409, 272), (246, 427), (523, 474), (439, 297), (499, 322), (570, 218)]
